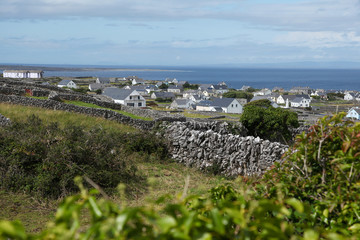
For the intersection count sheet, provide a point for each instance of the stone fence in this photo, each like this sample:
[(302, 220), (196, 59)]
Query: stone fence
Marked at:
[(95, 112), (226, 154)]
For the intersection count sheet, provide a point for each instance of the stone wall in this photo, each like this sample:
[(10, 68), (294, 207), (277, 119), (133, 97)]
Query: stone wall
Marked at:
[(226, 154), (95, 112)]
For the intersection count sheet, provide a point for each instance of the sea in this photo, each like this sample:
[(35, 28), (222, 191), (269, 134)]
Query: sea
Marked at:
[(328, 79)]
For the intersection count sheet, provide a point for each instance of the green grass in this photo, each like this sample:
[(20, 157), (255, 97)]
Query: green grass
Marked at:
[(20, 113), (42, 98), (83, 104), (168, 176)]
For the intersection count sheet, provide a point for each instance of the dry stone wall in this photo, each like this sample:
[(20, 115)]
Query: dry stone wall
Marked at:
[(95, 112), (221, 153)]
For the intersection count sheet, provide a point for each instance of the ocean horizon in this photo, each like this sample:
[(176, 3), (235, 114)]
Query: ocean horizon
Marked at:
[(287, 78)]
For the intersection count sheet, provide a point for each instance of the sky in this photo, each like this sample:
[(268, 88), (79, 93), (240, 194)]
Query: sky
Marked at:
[(179, 32)]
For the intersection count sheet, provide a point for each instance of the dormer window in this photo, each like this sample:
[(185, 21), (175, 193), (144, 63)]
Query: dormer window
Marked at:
[(130, 97)]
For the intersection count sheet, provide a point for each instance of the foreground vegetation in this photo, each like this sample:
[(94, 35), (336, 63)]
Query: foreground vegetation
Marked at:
[(313, 194)]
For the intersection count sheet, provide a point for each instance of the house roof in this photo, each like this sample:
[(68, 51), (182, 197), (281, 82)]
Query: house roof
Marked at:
[(117, 93), (64, 82), (23, 71), (103, 80), (217, 102), (357, 110), (164, 94), (220, 87), (223, 102), (181, 101)]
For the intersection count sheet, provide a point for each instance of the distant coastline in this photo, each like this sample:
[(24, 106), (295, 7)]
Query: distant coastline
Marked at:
[(82, 69)]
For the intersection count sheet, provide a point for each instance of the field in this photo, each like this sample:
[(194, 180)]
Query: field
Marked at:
[(167, 177)]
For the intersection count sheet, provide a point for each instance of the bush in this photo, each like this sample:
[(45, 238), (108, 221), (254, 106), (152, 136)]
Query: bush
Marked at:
[(323, 170), (44, 159), (264, 121)]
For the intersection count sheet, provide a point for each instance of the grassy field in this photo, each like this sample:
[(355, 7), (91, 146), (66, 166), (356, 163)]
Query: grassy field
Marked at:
[(20, 113), (167, 177)]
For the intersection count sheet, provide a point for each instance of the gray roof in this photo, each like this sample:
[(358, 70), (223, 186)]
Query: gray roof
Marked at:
[(164, 94), (104, 80), (222, 102), (24, 71), (64, 82), (292, 97), (217, 102), (180, 101), (117, 93), (220, 87)]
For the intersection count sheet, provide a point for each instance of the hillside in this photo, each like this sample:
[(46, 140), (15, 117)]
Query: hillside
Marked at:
[(167, 176)]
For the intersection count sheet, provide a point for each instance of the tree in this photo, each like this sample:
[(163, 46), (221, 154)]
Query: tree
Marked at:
[(163, 86), (264, 121)]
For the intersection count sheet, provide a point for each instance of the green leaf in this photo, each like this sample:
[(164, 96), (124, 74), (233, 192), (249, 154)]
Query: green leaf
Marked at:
[(12, 230), (311, 235), (355, 227), (296, 204), (165, 223)]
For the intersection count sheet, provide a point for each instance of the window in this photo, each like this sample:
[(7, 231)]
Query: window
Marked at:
[(139, 104), (232, 105), (130, 97), (139, 97), (235, 105)]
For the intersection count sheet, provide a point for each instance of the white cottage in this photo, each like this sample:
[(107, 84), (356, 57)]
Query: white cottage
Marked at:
[(125, 97), (23, 74), (67, 83), (354, 113)]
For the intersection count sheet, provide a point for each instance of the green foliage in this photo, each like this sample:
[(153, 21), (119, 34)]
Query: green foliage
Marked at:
[(80, 90), (323, 170), (335, 96), (267, 122), (44, 159), (238, 94), (225, 214), (98, 91), (163, 86), (190, 86)]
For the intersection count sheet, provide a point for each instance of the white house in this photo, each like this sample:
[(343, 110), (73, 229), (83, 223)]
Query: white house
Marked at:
[(67, 83), (263, 92), (354, 113), (23, 74), (125, 97), (300, 102), (182, 104), (351, 96), (226, 105), (174, 89)]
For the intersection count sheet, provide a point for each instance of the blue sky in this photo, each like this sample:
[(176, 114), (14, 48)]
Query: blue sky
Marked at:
[(179, 32)]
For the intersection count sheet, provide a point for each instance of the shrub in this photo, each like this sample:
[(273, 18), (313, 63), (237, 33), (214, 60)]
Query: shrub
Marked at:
[(44, 159), (323, 170), (264, 121)]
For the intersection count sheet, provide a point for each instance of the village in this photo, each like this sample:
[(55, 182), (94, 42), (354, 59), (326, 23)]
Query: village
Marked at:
[(202, 100)]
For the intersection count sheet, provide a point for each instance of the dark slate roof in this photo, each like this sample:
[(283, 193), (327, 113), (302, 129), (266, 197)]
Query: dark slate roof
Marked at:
[(180, 101), (64, 82), (138, 87), (164, 94), (117, 93), (220, 87), (217, 102), (222, 102), (104, 80)]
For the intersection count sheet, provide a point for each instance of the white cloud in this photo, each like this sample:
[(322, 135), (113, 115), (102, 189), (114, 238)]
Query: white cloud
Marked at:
[(318, 40)]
